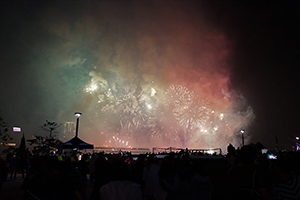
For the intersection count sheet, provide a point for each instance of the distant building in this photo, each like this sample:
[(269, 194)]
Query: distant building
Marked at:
[(69, 130)]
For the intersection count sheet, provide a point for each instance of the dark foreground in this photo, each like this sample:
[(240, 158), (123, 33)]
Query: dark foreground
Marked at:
[(227, 175)]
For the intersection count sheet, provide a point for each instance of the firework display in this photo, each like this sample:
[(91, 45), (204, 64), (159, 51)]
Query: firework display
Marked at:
[(143, 73), (147, 115)]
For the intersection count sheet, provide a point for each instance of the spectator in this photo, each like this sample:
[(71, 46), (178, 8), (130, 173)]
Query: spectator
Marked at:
[(231, 155), (92, 168), (120, 188), (3, 172), (242, 177), (185, 184), (83, 168), (288, 186), (53, 180), (103, 173), (137, 170), (150, 177), (14, 166)]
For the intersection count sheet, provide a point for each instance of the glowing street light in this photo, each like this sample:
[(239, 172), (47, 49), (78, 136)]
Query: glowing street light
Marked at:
[(77, 114), (242, 132)]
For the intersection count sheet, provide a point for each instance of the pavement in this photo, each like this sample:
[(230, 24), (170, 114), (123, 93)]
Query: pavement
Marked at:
[(12, 189)]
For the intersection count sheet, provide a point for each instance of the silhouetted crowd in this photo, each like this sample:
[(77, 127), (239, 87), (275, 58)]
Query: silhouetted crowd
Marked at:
[(255, 175), (242, 174)]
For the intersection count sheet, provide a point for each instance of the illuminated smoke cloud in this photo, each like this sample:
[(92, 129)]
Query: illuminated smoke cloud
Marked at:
[(143, 73), (164, 79)]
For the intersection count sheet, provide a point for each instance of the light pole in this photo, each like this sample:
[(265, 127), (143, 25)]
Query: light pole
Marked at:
[(242, 132), (77, 114), (297, 144)]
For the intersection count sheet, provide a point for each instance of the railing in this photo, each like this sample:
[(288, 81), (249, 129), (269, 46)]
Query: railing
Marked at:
[(122, 149), (193, 151), (157, 150)]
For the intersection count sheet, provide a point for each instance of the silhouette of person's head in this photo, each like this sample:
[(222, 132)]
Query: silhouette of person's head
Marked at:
[(120, 170), (230, 149), (284, 164), (248, 155)]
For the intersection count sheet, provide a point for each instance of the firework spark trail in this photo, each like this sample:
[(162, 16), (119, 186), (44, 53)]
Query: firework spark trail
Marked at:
[(177, 116)]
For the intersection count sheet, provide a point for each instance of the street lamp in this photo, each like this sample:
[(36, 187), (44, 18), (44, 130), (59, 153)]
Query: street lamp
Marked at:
[(77, 114), (242, 132)]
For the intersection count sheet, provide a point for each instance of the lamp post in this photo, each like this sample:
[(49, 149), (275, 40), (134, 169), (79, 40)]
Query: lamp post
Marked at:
[(77, 114), (242, 132)]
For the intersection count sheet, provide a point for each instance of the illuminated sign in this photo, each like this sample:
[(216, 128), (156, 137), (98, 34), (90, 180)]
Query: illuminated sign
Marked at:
[(8, 144), (16, 129)]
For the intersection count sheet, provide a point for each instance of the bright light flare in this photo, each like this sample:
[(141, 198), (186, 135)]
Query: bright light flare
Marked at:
[(153, 92), (91, 88), (210, 152), (221, 116), (78, 114)]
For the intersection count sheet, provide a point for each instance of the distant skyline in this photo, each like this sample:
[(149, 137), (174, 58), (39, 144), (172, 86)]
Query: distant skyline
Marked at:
[(153, 73)]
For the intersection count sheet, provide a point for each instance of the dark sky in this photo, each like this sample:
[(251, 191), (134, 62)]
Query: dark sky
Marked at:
[(103, 58), (266, 67)]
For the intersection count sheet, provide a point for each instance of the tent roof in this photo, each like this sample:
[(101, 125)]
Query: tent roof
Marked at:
[(76, 143)]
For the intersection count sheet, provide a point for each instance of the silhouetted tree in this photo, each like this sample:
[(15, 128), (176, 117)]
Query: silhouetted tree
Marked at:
[(11, 150), (43, 145), (4, 134), (22, 147), (51, 127)]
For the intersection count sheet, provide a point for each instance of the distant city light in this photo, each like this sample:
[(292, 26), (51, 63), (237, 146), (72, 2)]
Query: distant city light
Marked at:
[(8, 144), (211, 152)]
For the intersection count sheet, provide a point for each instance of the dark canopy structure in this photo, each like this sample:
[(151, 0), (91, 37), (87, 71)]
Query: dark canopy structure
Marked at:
[(76, 143)]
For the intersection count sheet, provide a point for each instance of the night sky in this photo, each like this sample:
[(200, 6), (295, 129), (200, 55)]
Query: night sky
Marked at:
[(153, 69)]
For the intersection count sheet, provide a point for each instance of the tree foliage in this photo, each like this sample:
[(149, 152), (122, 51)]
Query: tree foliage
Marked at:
[(4, 133), (43, 145), (51, 127), (11, 150)]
